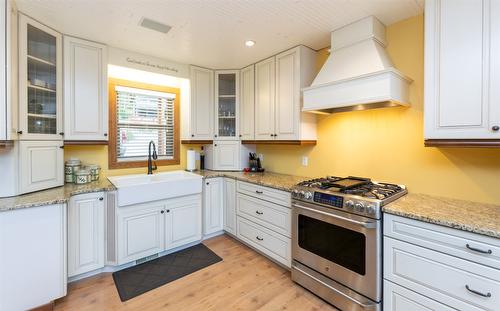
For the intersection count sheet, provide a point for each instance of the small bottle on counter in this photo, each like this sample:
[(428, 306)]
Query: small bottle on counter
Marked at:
[(202, 159)]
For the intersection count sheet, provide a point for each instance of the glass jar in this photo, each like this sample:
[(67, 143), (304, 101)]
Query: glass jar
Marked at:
[(82, 176), (95, 170), (71, 166)]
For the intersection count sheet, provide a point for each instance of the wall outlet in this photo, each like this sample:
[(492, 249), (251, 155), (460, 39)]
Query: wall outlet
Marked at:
[(305, 161)]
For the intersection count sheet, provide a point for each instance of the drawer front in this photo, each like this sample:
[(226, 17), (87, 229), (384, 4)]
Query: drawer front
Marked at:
[(265, 193), (272, 244), (270, 215), (397, 298), (441, 277), (474, 247)]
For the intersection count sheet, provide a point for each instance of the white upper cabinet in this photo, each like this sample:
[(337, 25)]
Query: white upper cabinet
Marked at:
[(264, 99), (85, 90), (278, 96), (247, 103), (202, 103), (226, 104), (462, 69), (3, 69), (40, 81)]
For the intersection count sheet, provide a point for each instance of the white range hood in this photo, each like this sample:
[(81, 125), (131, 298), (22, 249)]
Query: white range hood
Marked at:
[(358, 74)]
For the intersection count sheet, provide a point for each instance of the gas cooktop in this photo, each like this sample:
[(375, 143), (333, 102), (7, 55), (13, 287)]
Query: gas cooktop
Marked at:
[(352, 194)]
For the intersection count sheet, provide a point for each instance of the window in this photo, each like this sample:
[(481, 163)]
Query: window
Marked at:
[(140, 113)]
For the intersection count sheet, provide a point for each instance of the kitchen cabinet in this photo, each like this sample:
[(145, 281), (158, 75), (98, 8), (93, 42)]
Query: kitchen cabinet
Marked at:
[(462, 67), (202, 104), (398, 298), (226, 105), (40, 81), (86, 214), (227, 155), (140, 230), (85, 90), (456, 268), (278, 97), (33, 256), (247, 103), (212, 206), (264, 99), (229, 197), (183, 223), (41, 165), (5, 67)]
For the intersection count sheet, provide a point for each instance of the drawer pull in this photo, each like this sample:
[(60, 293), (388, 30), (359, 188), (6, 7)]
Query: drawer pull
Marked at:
[(259, 213), (487, 295), (259, 238), (259, 192), (478, 250)]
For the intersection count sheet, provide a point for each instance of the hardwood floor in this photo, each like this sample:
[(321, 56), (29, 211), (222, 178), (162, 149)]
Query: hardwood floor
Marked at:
[(244, 280)]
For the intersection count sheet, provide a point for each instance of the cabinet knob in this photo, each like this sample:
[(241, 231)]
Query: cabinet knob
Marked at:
[(19, 132), (215, 135), (208, 183), (240, 135), (61, 133), (275, 135), (192, 135), (100, 199), (495, 128), (162, 211), (62, 147), (168, 211), (105, 134), (215, 145), (272, 135), (259, 238)]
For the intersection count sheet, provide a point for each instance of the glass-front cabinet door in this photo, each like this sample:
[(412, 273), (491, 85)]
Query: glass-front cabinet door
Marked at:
[(226, 105), (40, 81)]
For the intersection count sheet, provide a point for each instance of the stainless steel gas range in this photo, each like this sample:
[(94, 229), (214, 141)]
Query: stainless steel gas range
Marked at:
[(337, 239)]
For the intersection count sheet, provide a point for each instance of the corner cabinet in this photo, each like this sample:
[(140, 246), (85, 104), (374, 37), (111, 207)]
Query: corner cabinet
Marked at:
[(278, 96), (462, 72), (202, 104), (86, 213), (226, 105), (85, 90), (247, 103), (40, 81), (212, 206)]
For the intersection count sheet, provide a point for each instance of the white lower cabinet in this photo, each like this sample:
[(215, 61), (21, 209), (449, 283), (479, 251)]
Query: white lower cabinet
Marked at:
[(32, 256), (213, 206), (182, 221), (398, 298), (85, 233), (41, 165), (453, 267), (151, 228), (229, 205)]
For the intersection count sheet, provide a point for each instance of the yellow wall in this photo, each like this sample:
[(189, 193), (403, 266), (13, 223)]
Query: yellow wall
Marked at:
[(387, 144)]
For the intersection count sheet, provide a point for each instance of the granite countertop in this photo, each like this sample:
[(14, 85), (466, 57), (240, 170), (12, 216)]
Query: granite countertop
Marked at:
[(475, 217), (268, 179), (57, 195)]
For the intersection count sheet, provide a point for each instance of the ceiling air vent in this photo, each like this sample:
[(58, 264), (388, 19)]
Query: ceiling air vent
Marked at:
[(154, 25)]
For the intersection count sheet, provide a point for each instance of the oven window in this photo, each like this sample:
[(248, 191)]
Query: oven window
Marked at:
[(336, 244)]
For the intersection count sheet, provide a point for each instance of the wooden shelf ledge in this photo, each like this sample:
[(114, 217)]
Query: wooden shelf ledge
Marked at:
[(85, 142), (464, 143), (6, 144), (280, 142), (196, 142)]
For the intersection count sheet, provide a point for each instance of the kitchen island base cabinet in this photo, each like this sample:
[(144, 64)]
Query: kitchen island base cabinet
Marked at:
[(86, 214), (32, 256), (150, 228)]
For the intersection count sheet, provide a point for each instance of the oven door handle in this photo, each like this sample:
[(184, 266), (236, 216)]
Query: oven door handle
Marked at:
[(367, 224)]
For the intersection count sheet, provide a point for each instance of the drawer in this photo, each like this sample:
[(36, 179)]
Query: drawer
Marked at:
[(441, 277), (272, 244), (273, 216), (265, 193), (397, 298), (474, 247)]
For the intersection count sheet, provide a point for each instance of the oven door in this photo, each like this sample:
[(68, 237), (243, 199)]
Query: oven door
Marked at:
[(342, 246)]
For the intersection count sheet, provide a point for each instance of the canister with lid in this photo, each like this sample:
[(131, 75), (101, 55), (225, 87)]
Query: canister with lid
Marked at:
[(95, 170), (71, 166), (82, 176)]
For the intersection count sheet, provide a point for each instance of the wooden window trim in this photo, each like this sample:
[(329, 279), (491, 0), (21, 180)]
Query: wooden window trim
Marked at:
[(113, 162)]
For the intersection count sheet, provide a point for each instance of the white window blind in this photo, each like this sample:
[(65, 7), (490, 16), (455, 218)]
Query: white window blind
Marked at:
[(143, 116)]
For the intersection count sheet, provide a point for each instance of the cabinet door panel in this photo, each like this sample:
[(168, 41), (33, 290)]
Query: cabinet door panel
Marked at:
[(140, 231), (202, 103), (183, 221), (226, 155), (41, 165), (213, 206), (247, 103), (85, 233), (227, 104), (264, 99), (85, 91), (397, 298), (287, 95), (230, 205)]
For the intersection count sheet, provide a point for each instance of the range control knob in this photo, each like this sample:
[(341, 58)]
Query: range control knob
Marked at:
[(308, 195), (359, 207), (302, 194), (349, 204), (295, 193), (370, 209)]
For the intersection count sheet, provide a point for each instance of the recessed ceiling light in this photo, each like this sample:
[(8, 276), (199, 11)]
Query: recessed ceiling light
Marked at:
[(249, 43)]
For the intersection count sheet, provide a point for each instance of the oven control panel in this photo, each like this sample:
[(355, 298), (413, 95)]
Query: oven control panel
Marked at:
[(328, 199)]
